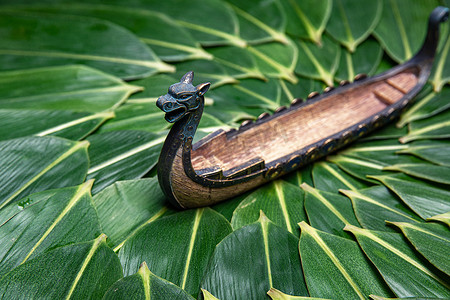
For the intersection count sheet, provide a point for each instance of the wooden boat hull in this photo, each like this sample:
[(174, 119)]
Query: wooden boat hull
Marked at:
[(228, 163)]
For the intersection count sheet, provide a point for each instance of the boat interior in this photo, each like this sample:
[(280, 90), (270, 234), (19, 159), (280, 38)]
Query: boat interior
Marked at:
[(253, 147)]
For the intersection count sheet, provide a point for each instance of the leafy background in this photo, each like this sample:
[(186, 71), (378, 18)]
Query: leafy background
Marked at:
[(81, 212)]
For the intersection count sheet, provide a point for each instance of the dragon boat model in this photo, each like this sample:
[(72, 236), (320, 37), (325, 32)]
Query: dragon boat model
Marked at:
[(225, 164)]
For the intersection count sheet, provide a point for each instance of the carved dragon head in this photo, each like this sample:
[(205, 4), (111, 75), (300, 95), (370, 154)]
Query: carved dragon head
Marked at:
[(182, 98)]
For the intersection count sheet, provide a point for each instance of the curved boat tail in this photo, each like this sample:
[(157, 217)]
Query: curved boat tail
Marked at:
[(439, 15)]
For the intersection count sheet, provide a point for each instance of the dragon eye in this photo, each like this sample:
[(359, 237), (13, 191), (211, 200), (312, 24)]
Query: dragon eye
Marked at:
[(184, 96)]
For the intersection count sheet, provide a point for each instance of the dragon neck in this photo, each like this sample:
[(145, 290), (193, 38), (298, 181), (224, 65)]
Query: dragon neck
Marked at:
[(181, 135)]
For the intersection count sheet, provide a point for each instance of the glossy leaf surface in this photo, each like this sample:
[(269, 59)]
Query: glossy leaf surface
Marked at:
[(283, 67), (266, 249), (280, 201), (433, 152), (364, 60), (171, 43), (66, 217), (46, 40), (424, 199), (318, 61), (326, 257), (400, 267), (33, 164), (351, 21), (401, 34), (437, 127), (327, 211), (186, 239), (125, 206), (74, 88), (432, 240), (430, 172), (328, 177), (145, 285), (121, 155), (70, 125), (77, 271), (260, 21), (375, 205), (307, 19), (279, 295), (441, 69), (430, 105)]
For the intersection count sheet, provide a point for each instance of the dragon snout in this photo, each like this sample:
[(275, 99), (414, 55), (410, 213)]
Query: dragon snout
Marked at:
[(160, 102), (174, 110)]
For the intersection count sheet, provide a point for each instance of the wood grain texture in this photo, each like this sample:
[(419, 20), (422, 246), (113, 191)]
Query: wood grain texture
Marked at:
[(302, 127)]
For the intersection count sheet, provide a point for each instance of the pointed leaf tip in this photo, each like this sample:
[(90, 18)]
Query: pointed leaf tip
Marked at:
[(275, 294), (208, 296), (263, 217), (306, 187), (352, 228), (304, 226)]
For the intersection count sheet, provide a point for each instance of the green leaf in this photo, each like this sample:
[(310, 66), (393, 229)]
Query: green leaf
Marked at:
[(269, 251), (400, 267), (136, 116), (357, 167), (278, 295), (351, 21), (171, 43), (327, 258), (369, 158), (441, 69), (301, 89), (140, 111), (283, 66), (318, 61), (407, 298), (211, 22), (381, 152), (436, 152), (67, 124), (430, 172), (327, 211), (282, 202), (78, 271), (260, 21), (66, 217), (387, 132), (47, 40), (328, 177), (301, 176), (75, 88), (432, 240), (437, 127), (186, 239), (307, 18), (126, 206), (444, 218), (33, 164), (249, 93), (145, 285), (207, 295), (121, 155), (430, 105), (208, 71), (238, 62), (403, 26), (375, 205), (424, 199), (364, 60)]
